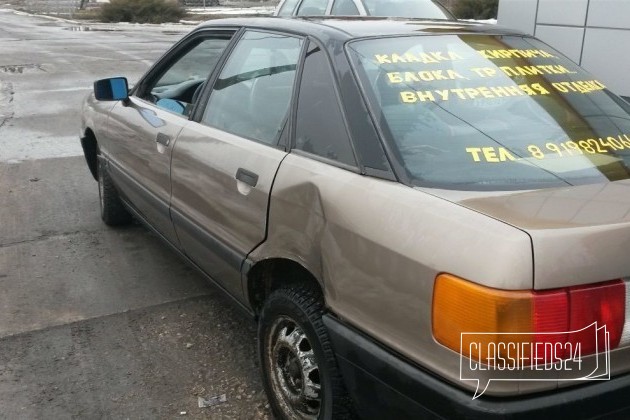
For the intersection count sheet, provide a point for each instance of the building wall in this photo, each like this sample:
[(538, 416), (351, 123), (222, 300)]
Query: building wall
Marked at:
[(593, 33)]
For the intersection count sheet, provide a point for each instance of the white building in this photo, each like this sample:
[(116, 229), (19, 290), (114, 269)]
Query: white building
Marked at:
[(593, 33)]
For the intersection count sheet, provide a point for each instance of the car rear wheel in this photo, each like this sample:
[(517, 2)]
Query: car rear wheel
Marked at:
[(300, 373), (113, 212)]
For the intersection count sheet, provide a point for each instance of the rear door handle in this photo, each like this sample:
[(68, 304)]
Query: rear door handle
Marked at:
[(247, 177), (163, 139)]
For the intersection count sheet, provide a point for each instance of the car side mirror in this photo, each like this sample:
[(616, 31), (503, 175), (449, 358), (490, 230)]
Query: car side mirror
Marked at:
[(112, 89)]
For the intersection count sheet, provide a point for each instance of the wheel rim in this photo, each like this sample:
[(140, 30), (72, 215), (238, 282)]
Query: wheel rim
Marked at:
[(294, 372)]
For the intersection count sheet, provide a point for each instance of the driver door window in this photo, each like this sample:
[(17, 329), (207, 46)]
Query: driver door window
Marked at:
[(176, 89)]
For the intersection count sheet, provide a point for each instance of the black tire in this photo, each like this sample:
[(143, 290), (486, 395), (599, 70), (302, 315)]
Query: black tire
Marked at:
[(291, 334), (113, 212)]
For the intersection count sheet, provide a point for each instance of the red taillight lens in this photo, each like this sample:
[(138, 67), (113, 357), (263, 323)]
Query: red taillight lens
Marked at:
[(550, 317), (605, 304)]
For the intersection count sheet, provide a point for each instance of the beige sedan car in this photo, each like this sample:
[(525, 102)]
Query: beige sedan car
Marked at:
[(426, 218)]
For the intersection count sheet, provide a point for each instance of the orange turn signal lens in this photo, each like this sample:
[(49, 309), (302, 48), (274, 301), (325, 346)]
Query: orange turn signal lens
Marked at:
[(461, 306)]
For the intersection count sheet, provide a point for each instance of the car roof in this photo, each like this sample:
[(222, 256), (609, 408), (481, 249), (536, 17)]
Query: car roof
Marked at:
[(345, 28)]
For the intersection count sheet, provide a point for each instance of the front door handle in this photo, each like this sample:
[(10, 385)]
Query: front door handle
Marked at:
[(247, 177), (163, 139)]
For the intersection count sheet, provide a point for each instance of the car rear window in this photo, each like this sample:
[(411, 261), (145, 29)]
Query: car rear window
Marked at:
[(482, 112)]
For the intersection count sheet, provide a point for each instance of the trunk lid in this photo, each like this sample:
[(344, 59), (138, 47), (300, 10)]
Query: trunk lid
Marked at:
[(580, 234)]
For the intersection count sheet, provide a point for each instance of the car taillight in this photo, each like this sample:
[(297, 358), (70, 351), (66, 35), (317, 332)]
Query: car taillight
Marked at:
[(460, 306)]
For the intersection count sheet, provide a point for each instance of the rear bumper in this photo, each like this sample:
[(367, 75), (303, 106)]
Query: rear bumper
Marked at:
[(383, 385)]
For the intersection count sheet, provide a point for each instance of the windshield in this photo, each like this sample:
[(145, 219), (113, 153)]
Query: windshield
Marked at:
[(492, 112), (425, 9)]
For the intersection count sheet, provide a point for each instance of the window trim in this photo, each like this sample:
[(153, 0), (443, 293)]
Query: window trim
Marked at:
[(331, 162), (197, 112), (204, 97), (329, 7), (362, 9)]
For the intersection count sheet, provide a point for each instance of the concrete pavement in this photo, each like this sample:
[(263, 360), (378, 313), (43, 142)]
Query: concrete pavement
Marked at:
[(97, 322)]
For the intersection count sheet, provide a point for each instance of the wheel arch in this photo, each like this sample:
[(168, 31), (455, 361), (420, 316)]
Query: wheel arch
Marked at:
[(269, 274), (90, 150)]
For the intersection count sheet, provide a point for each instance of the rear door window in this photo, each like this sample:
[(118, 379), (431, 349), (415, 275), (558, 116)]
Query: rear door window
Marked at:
[(252, 94)]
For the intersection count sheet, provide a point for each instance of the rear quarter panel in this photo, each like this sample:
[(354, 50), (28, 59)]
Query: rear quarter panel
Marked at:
[(376, 247)]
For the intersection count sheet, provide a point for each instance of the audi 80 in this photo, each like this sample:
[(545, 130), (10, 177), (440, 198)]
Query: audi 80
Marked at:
[(425, 218)]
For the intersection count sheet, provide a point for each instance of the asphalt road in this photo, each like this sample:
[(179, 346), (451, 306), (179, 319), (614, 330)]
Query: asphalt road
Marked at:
[(97, 322)]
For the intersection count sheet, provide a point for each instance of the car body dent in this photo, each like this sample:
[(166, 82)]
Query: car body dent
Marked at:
[(372, 262)]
